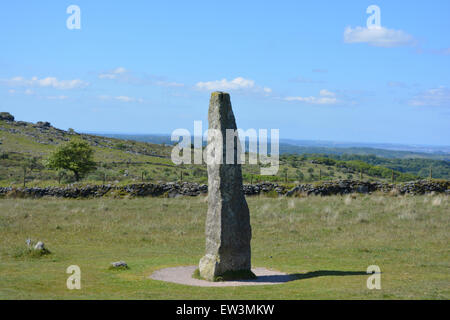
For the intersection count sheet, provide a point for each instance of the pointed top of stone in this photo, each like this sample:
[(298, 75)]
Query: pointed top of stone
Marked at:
[(219, 93), (220, 96), (220, 113)]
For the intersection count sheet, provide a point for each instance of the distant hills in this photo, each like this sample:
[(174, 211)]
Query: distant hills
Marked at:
[(427, 149), (125, 158), (291, 146), (387, 150)]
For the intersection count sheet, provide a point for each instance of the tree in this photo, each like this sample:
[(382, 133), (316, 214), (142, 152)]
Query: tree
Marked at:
[(31, 163), (300, 175), (24, 167), (285, 173), (144, 173), (76, 156)]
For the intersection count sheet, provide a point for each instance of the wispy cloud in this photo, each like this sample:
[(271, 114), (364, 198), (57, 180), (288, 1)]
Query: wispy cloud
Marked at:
[(50, 82), (378, 37), (224, 84), (113, 74), (128, 99), (123, 75), (61, 97), (32, 93), (320, 70), (301, 79), (396, 84), (325, 97), (121, 98), (443, 52), (164, 83), (236, 84), (435, 97)]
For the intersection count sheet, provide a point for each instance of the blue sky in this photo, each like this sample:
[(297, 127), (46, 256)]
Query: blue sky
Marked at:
[(312, 69)]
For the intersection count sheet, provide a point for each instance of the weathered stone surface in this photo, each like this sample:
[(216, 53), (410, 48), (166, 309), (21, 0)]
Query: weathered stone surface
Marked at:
[(39, 246), (43, 124), (6, 116), (228, 231)]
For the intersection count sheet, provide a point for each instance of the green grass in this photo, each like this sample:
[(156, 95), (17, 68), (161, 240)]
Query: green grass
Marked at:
[(327, 242), (24, 252)]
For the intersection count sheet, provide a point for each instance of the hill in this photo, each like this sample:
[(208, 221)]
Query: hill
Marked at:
[(290, 146), (24, 144), (410, 162)]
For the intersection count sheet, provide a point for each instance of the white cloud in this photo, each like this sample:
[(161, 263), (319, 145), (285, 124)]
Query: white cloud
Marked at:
[(46, 82), (325, 97), (326, 93), (113, 74), (124, 99), (237, 84), (378, 37), (129, 99), (30, 92), (224, 84), (433, 97)]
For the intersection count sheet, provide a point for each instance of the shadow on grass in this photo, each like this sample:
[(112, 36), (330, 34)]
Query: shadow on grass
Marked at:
[(324, 273), (307, 275)]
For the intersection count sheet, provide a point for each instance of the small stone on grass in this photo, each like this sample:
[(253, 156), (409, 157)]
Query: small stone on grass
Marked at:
[(119, 265)]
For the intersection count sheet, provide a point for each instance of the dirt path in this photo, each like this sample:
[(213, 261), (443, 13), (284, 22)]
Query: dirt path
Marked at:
[(183, 275)]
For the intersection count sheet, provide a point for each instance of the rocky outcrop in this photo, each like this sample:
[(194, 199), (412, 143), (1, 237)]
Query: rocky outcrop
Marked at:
[(6, 116), (43, 124)]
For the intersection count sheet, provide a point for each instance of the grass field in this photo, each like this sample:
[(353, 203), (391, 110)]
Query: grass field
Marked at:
[(327, 241)]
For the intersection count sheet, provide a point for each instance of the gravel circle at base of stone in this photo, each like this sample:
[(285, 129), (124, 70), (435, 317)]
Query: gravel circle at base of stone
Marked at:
[(183, 275)]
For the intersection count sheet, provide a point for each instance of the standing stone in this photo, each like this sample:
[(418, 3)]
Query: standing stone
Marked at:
[(228, 231)]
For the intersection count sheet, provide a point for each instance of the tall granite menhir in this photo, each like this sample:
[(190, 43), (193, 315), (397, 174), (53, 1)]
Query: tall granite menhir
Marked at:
[(228, 231)]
